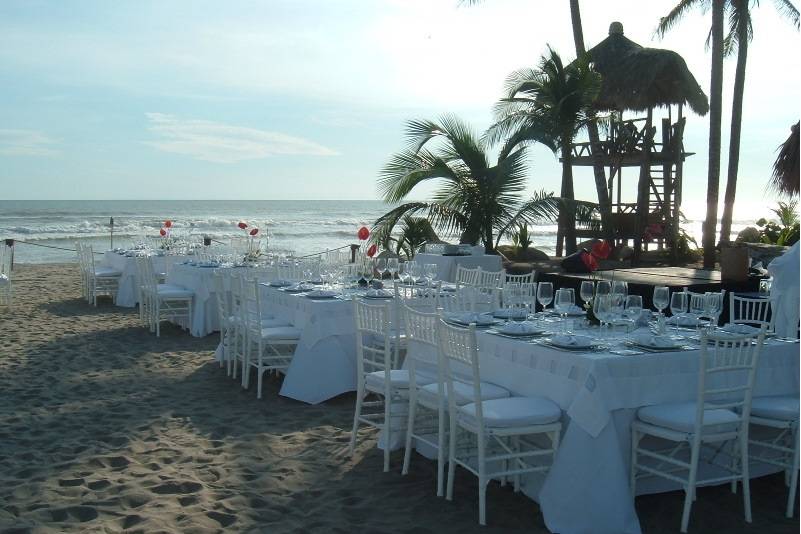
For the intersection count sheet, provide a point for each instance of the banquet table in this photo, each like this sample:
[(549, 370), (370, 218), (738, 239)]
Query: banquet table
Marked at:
[(127, 295), (447, 265), (324, 363), (587, 489)]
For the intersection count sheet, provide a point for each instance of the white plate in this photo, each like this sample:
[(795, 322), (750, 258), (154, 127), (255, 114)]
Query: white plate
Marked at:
[(741, 329), (322, 294)]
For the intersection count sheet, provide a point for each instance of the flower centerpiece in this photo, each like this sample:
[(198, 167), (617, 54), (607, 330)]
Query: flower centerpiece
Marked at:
[(253, 250), (167, 241)]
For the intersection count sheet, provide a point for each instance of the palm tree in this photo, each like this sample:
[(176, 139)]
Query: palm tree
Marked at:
[(740, 33), (414, 232), (549, 105), (604, 205), (478, 200)]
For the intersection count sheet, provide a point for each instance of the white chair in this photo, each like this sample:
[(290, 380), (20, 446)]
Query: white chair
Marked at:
[(225, 318), (466, 277), (779, 447), (490, 279), (162, 301), (421, 329), (529, 278), (754, 312), (6, 291), (719, 416), (499, 427), (377, 372), (269, 343), (100, 280)]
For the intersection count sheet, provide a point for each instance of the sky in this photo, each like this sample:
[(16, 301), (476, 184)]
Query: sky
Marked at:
[(307, 99)]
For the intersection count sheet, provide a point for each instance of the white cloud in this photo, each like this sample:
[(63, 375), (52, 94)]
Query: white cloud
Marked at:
[(223, 143), (25, 143)]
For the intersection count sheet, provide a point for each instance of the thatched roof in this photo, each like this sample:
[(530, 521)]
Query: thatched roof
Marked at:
[(785, 169), (636, 78)]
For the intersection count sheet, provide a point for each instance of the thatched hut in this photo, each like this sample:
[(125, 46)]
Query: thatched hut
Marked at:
[(636, 78), (640, 79), (785, 169)]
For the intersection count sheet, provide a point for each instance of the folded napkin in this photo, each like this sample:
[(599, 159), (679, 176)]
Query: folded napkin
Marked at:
[(734, 328), (521, 328), (280, 283), (322, 293), (566, 340), (470, 317), (378, 293), (658, 342), (683, 320)]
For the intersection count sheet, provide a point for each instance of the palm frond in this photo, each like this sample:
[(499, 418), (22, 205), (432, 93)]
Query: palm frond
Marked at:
[(787, 10), (675, 15)]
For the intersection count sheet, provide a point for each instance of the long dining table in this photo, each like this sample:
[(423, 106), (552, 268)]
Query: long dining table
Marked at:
[(587, 488)]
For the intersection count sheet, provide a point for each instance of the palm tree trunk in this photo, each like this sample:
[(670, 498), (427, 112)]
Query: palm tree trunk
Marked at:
[(736, 127), (567, 219), (604, 206), (715, 104)]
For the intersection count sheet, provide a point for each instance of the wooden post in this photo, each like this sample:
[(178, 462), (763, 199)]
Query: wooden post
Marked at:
[(111, 223), (353, 249), (667, 180), (676, 215), (643, 187)]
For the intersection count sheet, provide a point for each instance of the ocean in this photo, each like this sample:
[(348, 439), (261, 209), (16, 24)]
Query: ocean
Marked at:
[(301, 226)]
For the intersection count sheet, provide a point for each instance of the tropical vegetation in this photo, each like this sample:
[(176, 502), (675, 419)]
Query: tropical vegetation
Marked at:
[(477, 200), (549, 105)]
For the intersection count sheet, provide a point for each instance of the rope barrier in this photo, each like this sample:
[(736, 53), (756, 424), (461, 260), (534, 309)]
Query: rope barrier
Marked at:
[(48, 246)]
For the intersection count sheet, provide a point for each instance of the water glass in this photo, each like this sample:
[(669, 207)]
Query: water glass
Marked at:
[(620, 288), (601, 308), (381, 267), (697, 307), (544, 294), (603, 287), (713, 307), (430, 270), (565, 300)]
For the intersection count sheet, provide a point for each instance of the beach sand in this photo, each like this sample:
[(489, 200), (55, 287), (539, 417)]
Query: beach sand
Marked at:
[(105, 428)]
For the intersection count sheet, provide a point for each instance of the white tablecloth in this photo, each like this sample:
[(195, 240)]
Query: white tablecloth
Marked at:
[(127, 294), (587, 490), (446, 265), (324, 364)]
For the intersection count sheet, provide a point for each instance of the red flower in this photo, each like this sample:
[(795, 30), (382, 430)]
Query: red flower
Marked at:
[(242, 225), (601, 250), (372, 250), (162, 232), (589, 261), (254, 231), (168, 224), (363, 234)]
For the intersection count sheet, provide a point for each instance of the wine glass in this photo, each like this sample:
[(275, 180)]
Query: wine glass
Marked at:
[(430, 273), (544, 294), (603, 287), (713, 307), (620, 287), (601, 308), (661, 298), (634, 306), (411, 271), (369, 272), (678, 307), (587, 290), (381, 267), (697, 307), (392, 266), (565, 300)]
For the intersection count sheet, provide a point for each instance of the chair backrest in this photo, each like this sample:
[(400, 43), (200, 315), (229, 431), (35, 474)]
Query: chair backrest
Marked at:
[(490, 279), (525, 298), (5, 260), (466, 277), (529, 278), (373, 337), (755, 312), (235, 281), (416, 297), (461, 300), (223, 306), (421, 329), (459, 348), (250, 305), (80, 254), (727, 372), (146, 274)]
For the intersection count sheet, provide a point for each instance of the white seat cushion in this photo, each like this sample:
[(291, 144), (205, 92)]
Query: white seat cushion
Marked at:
[(464, 392), (398, 378), (273, 323), (280, 333), (106, 272), (513, 412), (173, 292), (784, 408), (680, 416)]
